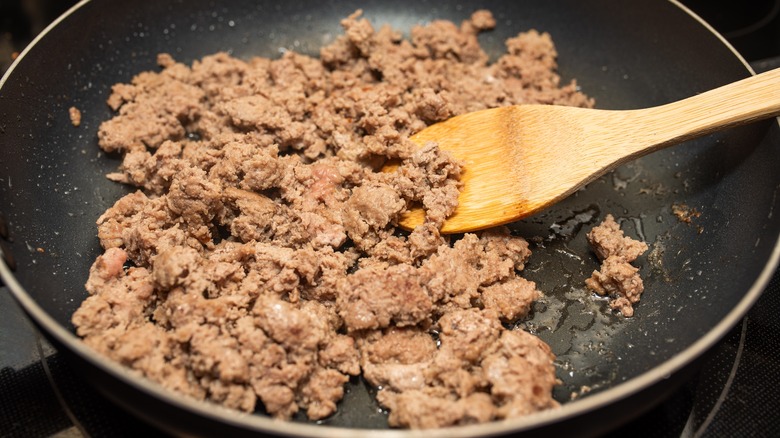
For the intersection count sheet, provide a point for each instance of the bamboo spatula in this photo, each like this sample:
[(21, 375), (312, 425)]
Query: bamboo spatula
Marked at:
[(522, 159)]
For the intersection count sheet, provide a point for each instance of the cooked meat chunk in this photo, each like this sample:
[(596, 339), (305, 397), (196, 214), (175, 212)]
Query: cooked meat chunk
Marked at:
[(396, 358), (374, 298), (620, 281), (616, 278), (521, 374), (481, 372), (511, 299), (607, 239)]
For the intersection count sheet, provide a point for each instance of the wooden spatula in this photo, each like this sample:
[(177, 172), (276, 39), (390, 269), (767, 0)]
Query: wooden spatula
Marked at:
[(522, 159)]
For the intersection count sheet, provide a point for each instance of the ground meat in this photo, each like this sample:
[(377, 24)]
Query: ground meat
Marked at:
[(608, 240), (258, 265), (480, 372), (396, 359), (620, 281), (617, 278), (511, 299), (375, 297)]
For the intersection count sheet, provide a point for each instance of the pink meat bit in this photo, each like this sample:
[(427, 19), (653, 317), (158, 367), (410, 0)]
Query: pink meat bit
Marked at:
[(109, 265), (327, 180)]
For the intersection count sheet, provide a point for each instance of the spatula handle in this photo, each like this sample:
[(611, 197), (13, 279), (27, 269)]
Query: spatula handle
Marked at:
[(738, 103)]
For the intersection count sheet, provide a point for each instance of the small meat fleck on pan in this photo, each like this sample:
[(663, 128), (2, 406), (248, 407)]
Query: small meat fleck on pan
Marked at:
[(75, 116), (685, 213)]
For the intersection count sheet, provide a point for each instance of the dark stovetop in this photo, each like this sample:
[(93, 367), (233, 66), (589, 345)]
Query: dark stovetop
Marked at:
[(736, 392)]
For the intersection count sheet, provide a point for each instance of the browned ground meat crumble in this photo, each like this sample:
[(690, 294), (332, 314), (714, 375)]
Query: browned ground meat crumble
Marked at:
[(75, 116), (616, 278), (259, 264)]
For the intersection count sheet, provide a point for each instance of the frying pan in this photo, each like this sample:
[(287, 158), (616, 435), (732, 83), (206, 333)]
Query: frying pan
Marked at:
[(700, 277)]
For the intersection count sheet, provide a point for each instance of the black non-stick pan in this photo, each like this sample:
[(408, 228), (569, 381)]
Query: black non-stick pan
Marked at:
[(700, 276)]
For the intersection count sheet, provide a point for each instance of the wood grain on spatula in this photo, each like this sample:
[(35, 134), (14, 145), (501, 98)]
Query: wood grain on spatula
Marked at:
[(519, 160)]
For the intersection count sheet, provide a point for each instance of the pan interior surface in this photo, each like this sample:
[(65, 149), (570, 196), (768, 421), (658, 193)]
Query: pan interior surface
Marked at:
[(700, 276)]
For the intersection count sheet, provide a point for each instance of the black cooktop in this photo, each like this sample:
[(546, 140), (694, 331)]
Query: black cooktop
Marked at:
[(735, 393)]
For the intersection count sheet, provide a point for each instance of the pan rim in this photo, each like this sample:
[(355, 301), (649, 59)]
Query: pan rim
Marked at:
[(262, 423)]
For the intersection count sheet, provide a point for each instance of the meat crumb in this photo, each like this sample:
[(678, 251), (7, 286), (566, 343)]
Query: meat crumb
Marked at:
[(258, 265), (75, 116), (686, 215), (616, 278)]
